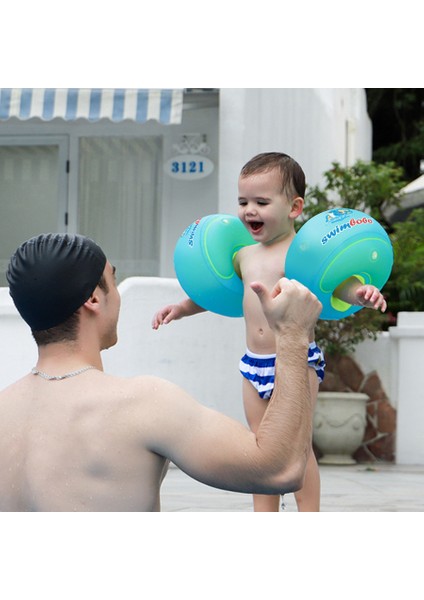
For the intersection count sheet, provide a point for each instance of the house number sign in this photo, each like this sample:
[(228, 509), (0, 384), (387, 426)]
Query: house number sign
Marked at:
[(189, 167)]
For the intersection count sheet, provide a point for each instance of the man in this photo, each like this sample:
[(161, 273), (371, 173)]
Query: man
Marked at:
[(73, 438)]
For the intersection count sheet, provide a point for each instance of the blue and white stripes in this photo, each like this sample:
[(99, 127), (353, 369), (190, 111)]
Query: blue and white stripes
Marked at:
[(117, 105), (259, 369)]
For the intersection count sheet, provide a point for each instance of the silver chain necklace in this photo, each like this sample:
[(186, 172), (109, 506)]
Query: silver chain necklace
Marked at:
[(35, 371)]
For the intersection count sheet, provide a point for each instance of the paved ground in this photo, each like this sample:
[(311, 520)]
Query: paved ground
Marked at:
[(356, 488)]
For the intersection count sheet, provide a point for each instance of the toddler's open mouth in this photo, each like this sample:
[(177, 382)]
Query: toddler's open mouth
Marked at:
[(255, 225)]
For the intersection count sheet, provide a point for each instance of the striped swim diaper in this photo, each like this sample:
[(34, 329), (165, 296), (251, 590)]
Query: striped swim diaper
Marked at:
[(259, 369)]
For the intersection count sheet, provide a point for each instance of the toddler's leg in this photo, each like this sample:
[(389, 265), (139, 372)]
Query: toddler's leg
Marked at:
[(308, 498)]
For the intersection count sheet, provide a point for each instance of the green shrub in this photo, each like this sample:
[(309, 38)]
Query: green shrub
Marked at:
[(372, 188), (405, 288)]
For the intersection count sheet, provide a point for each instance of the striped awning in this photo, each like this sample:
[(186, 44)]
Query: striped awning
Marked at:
[(117, 105)]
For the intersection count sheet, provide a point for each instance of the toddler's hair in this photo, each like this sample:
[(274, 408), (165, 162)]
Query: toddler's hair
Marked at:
[(292, 175)]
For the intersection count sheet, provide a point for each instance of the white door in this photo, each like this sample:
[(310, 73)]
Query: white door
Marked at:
[(33, 190), (118, 200)]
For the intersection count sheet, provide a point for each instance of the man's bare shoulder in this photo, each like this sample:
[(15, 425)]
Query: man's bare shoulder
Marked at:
[(18, 387), (94, 385), (151, 389), (141, 383)]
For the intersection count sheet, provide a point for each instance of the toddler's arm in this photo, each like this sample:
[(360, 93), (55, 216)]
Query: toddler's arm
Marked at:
[(353, 292), (172, 312)]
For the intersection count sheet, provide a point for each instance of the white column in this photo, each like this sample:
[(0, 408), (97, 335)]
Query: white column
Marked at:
[(409, 387)]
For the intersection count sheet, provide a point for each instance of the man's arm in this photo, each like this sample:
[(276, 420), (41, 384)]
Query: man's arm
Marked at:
[(223, 453)]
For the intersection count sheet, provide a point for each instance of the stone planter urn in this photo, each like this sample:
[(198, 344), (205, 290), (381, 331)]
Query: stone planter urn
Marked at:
[(339, 426)]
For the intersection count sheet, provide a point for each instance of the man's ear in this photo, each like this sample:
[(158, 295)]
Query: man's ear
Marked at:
[(93, 303)]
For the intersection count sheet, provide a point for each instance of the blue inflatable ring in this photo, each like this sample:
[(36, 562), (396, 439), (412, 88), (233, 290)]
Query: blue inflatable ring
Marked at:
[(333, 246), (203, 261)]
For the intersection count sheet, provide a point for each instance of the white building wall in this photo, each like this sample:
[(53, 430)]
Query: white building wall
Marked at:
[(308, 123), (185, 201), (315, 126)]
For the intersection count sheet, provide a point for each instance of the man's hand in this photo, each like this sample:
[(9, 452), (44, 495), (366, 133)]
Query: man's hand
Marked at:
[(289, 303)]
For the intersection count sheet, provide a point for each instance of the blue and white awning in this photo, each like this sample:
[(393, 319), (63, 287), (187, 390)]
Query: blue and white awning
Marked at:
[(138, 105)]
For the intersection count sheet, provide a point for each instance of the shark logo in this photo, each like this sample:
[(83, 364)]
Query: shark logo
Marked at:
[(342, 214), (337, 214)]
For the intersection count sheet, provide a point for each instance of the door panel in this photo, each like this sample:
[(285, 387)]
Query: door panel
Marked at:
[(32, 192)]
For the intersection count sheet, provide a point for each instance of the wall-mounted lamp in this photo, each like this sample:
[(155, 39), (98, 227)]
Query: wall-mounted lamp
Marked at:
[(192, 143)]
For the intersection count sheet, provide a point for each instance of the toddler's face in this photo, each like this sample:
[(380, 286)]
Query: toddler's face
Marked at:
[(263, 207)]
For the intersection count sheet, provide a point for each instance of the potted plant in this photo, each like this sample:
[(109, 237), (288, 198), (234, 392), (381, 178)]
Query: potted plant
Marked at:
[(340, 419)]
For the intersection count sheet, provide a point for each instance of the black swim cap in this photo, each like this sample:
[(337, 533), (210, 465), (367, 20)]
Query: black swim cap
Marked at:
[(51, 275)]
